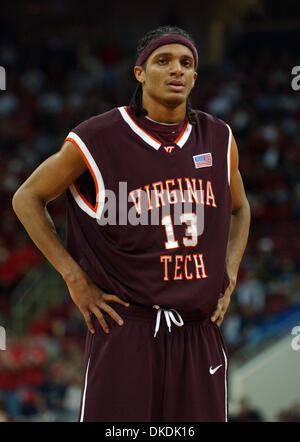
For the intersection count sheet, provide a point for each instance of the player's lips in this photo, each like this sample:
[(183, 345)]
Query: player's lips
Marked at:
[(176, 85)]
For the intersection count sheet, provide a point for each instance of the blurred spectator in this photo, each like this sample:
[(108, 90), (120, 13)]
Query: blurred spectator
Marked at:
[(56, 385), (41, 325), (291, 414), (232, 329), (33, 403), (246, 413), (10, 370), (250, 296), (72, 397), (4, 417)]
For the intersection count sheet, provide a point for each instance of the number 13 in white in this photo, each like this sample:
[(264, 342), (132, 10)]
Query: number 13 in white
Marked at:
[(191, 220)]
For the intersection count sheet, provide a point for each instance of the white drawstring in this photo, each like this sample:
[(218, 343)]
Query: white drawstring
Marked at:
[(168, 315)]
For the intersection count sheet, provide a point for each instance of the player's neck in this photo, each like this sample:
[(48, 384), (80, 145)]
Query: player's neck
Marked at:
[(164, 114)]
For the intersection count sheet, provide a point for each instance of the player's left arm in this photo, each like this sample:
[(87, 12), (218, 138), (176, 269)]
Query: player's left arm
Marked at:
[(238, 233)]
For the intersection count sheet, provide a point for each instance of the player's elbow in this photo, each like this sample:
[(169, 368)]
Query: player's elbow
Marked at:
[(246, 207), (242, 208), (22, 199), (18, 201)]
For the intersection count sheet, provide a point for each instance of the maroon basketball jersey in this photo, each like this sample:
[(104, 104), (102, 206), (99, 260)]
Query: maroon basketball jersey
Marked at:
[(150, 220)]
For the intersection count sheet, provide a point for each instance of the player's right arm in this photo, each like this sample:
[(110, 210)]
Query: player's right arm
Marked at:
[(30, 201)]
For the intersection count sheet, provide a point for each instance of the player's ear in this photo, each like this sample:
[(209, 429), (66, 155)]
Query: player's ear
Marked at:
[(195, 78), (139, 74)]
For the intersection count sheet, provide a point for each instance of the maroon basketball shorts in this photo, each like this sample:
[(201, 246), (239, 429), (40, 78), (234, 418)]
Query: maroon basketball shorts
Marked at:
[(132, 376)]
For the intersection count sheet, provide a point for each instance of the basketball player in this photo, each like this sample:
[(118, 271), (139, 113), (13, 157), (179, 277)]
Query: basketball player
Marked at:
[(153, 294)]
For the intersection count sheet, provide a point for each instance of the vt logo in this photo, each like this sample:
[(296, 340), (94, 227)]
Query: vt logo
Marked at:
[(169, 149)]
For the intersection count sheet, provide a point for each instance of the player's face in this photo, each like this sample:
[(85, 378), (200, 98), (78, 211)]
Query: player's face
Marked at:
[(169, 74)]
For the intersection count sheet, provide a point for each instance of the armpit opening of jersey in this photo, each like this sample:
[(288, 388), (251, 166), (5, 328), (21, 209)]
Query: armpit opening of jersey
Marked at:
[(95, 210)]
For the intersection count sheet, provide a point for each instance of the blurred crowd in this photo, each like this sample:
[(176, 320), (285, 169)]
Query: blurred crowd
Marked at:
[(246, 412), (41, 371), (53, 86)]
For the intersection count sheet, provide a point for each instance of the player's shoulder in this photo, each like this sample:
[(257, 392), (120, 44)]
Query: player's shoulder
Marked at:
[(209, 119), (100, 122)]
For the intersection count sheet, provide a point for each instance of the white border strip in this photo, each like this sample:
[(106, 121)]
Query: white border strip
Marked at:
[(225, 360), (100, 197), (146, 137), (81, 203), (185, 136), (138, 130), (229, 154), (84, 391)]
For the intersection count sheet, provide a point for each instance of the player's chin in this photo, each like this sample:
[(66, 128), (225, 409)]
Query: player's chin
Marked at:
[(175, 98)]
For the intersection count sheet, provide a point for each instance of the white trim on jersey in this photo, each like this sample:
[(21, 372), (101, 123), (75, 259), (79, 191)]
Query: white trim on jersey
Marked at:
[(138, 130), (146, 137), (225, 360), (84, 391), (100, 196), (185, 135), (229, 154)]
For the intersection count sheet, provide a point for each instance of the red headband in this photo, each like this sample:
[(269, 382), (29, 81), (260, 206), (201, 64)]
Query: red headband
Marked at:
[(164, 40)]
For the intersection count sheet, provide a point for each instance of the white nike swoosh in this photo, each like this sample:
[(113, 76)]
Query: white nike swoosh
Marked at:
[(213, 370)]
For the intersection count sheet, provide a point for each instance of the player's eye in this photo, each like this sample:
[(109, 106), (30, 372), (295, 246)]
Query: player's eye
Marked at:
[(187, 63), (162, 61)]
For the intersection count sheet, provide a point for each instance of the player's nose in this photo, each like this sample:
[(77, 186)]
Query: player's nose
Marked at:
[(176, 67)]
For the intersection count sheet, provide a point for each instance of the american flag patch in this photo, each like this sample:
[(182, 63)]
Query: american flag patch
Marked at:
[(203, 160)]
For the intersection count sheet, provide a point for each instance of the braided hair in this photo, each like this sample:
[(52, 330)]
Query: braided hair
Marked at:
[(137, 97)]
